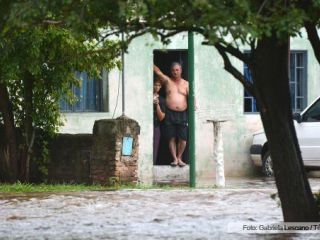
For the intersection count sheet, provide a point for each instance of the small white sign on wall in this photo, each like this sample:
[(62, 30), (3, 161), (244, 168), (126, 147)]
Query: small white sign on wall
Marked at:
[(127, 143)]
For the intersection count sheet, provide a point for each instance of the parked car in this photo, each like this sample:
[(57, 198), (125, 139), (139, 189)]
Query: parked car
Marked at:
[(307, 125)]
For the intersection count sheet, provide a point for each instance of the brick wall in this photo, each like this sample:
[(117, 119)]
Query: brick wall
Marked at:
[(108, 165), (91, 158), (70, 156)]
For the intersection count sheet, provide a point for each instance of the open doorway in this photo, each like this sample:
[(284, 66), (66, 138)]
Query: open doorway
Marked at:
[(164, 59)]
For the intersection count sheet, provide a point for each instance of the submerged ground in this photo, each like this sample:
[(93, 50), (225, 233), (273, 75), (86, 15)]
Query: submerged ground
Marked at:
[(144, 214)]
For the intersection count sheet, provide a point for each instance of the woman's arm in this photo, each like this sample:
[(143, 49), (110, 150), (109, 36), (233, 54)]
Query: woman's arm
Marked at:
[(160, 114)]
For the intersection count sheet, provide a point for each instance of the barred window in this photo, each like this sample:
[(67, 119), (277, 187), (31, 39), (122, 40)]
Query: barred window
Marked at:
[(89, 95), (297, 83)]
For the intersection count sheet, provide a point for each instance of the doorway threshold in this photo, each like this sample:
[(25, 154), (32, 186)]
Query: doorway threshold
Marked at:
[(164, 174)]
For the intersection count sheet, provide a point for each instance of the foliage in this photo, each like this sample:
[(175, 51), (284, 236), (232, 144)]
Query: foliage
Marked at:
[(19, 187), (51, 55), (27, 187), (41, 47), (230, 20)]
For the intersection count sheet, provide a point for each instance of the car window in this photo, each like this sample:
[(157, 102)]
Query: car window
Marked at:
[(313, 113)]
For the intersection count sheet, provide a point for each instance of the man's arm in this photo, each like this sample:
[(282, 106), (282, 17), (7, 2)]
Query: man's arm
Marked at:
[(163, 78)]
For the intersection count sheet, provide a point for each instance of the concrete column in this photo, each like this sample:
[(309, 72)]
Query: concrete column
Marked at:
[(218, 152)]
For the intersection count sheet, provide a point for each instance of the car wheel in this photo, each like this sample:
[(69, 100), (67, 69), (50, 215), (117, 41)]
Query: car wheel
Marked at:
[(267, 166)]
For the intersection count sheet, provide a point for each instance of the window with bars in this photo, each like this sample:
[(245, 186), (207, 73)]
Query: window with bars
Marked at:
[(298, 80), (297, 83), (89, 95)]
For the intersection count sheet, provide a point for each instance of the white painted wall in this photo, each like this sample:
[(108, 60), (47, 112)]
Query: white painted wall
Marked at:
[(218, 96)]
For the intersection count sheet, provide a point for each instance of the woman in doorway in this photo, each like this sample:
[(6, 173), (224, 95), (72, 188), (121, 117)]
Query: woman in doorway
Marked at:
[(158, 116)]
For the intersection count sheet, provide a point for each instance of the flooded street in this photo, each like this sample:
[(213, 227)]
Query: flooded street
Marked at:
[(144, 214)]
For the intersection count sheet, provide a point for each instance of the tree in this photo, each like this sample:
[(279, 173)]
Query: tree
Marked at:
[(40, 50), (265, 26)]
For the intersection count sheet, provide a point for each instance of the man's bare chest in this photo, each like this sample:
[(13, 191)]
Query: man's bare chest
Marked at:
[(174, 88)]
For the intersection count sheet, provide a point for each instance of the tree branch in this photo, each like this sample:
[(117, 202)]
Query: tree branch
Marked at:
[(234, 52), (232, 70), (106, 35), (252, 44), (53, 22), (137, 34), (313, 38)]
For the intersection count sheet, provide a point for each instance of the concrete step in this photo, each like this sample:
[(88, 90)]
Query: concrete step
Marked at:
[(171, 175)]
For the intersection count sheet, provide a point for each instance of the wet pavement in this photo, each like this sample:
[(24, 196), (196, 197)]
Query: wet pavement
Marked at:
[(144, 214)]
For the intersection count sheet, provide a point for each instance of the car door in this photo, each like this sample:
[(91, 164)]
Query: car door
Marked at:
[(308, 133)]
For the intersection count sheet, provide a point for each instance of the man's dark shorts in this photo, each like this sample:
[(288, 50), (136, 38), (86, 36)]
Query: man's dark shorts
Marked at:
[(176, 124)]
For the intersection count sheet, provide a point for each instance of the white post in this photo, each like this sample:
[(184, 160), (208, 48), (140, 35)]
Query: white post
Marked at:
[(218, 154)]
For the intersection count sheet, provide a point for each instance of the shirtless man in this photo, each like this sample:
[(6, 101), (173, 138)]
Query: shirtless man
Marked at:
[(176, 120)]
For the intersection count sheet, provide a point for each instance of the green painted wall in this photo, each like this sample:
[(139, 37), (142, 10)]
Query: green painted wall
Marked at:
[(218, 96)]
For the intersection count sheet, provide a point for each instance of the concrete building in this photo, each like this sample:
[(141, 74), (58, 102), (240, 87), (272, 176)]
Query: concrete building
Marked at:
[(218, 94)]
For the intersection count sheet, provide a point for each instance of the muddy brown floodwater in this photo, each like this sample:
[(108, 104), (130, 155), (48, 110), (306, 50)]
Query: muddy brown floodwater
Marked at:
[(144, 214)]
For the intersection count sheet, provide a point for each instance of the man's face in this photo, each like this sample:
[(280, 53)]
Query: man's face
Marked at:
[(176, 71)]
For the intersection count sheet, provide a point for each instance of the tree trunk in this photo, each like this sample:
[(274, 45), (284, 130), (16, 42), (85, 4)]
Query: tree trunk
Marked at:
[(11, 163), (28, 127), (271, 85)]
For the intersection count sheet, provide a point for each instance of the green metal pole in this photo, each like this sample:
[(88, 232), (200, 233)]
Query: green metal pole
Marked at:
[(192, 180)]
